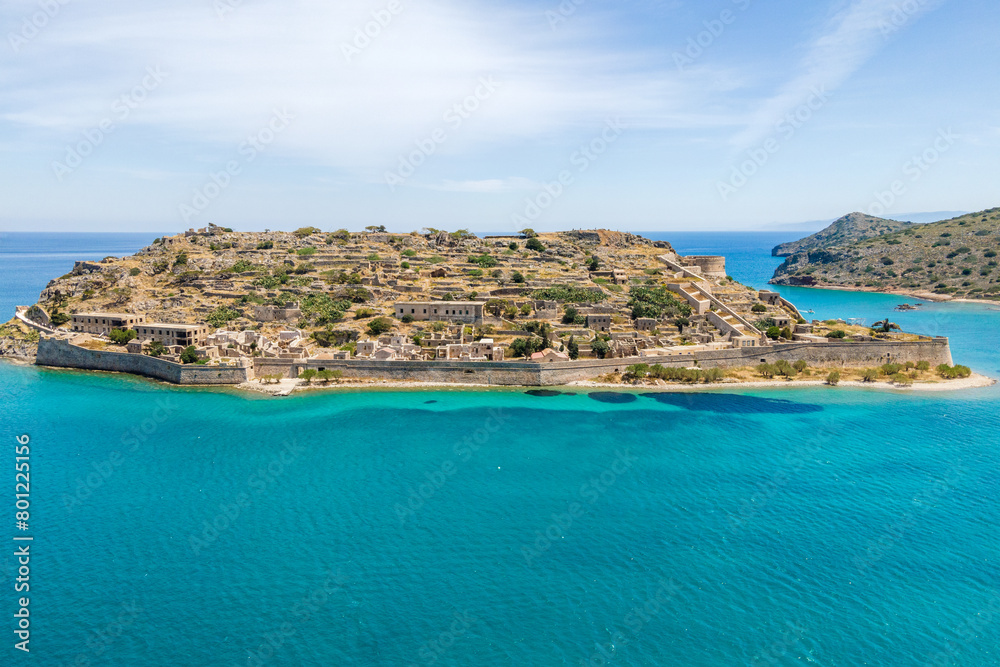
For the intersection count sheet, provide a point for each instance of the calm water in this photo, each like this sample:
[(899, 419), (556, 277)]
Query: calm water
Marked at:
[(28, 261), (827, 527)]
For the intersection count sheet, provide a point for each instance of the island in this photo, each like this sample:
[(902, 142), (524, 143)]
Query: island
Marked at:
[(279, 310), (940, 261)]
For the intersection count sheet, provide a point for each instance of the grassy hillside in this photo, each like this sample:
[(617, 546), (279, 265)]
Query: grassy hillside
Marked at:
[(851, 228), (954, 258)]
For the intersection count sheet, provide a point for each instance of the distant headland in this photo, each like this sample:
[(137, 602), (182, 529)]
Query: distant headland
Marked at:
[(938, 261)]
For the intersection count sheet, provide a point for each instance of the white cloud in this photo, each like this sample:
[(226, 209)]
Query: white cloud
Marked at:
[(224, 76)]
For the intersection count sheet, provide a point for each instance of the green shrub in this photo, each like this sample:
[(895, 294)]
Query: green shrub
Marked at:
[(890, 369), (534, 244), (600, 348), (484, 261), (189, 355), (901, 379), (758, 308), (869, 375), (134, 272), (923, 366), (833, 378), (766, 370), (837, 333), (221, 315), (379, 326), (121, 337)]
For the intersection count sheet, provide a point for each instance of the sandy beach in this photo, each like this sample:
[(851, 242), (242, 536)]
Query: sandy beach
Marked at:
[(287, 387)]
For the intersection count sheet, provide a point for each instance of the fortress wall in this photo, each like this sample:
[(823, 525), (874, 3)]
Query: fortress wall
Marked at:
[(60, 353), (501, 373), (54, 352)]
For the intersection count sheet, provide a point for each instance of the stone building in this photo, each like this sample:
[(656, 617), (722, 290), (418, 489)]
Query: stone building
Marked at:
[(173, 334), (468, 312), (103, 323), (287, 313), (599, 322)]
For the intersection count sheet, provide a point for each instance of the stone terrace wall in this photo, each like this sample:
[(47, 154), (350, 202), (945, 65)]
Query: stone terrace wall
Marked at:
[(60, 353)]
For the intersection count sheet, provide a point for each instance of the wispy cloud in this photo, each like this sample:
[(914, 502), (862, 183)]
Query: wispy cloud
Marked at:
[(852, 35), (492, 185)]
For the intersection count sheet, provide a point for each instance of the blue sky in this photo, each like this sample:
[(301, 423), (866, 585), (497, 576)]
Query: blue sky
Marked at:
[(627, 114)]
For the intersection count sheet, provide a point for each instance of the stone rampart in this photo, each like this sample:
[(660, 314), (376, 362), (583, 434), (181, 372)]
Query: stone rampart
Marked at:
[(61, 353), (54, 352)]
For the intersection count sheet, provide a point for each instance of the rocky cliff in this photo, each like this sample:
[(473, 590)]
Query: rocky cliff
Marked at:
[(851, 228), (954, 258)]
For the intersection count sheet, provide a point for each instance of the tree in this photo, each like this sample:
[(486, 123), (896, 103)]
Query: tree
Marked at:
[(600, 347), (525, 347), (869, 375), (885, 326), (308, 374), (766, 370), (379, 326), (786, 333), (529, 233), (495, 306), (595, 263), (156, 348), (484, 261), (375, 228), (833, 378), (517, 277), (534, 244), (572, 349), (682, 322), (121, 337), (773, 333), (189, 355), (569, 317), (512, 245), (800, 365)]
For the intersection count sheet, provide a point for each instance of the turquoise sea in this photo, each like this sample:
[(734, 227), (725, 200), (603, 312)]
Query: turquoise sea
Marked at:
[(769, 527)]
